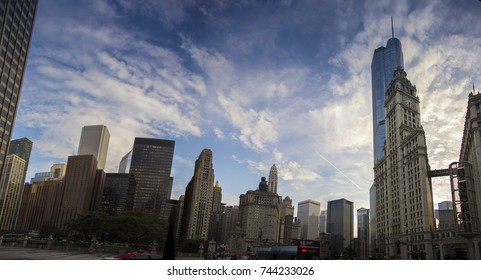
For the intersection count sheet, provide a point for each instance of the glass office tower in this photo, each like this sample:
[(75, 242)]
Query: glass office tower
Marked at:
[(150, 183), (384, 62), (16, 25)]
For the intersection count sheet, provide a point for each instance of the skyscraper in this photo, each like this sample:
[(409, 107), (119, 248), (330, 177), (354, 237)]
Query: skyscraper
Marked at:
[(363, 231), (309, 212), (273, 179), (150, 183), (260, 215), (124, 165), (404, 197), (198, 199), (16, 21), (18, 154), (11, 191), (114, 193), (323, 222), (84, 184), (94, 140), (340, 224), (215, 228), (21, 147), (471, 144), (385, 60)]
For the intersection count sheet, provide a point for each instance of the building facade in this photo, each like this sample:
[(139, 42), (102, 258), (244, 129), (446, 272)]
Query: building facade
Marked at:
[(124, 165), (273, 179), (384, 62), (23, 148), (287, 221), (215, 227), (308, 212), (40, 204), (260, 212), (114, 193), (94, 140), (404, 197), (83, 188), (11, 191), (323, 222), (471, 143), (340, 224), (150, 183), (230, 220), (57, 171), (196, 215), (363, 232), (16, 19)]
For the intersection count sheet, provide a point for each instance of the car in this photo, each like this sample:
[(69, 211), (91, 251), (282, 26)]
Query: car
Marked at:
[(137, 255)]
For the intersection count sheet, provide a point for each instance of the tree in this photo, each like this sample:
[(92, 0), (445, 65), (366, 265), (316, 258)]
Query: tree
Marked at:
[(139, 228), (89, 225), (46, 230)]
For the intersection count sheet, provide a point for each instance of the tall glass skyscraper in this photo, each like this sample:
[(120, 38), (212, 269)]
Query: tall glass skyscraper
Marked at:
[(384, 62), (16, 25)]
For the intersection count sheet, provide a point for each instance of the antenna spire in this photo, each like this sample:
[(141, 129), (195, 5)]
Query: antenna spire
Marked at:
[(392, 27)]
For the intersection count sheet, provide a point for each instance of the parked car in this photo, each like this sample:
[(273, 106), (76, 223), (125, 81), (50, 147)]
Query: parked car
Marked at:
[(137, 255)]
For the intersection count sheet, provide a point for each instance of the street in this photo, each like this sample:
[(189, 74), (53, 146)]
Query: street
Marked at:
[(20, 253)]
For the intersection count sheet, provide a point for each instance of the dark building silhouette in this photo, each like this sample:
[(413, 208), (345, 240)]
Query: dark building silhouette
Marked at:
[(340, 224), (150, 184), (115, 193)]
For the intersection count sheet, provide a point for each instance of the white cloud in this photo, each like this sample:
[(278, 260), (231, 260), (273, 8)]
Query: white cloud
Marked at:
[(219, 134)]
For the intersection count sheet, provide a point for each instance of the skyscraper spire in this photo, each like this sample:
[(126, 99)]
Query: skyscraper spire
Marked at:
[(392, 27)]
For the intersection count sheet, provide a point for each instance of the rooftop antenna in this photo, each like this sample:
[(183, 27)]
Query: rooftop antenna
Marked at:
[(392, 27)]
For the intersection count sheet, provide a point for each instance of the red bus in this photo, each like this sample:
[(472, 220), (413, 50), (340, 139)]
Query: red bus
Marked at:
[(307, 249)]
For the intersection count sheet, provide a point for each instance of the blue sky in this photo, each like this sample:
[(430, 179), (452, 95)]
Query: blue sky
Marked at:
[(257, 82)]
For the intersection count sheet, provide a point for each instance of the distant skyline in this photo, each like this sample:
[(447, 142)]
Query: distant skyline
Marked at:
[(257, 82)]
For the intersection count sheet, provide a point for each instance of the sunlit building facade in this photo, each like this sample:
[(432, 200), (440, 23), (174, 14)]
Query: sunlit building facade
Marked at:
[(404, 197), (272, 182), (308, 212), (94, 140), (11, 188)]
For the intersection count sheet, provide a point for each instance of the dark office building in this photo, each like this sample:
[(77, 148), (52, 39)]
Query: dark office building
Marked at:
[(340, 224), (150, 184), (16, 26), (115, 193)]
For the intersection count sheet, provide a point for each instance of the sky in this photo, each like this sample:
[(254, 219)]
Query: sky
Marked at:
[(257, 82)]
